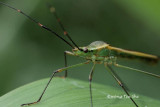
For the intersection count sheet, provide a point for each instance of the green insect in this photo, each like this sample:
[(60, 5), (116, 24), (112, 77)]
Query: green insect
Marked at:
[(97, 52)]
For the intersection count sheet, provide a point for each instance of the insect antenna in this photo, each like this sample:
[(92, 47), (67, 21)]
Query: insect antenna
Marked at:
[(53, 10), (42, 26)]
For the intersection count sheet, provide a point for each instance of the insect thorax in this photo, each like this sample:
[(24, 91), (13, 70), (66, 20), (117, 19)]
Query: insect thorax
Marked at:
[(97, 55)]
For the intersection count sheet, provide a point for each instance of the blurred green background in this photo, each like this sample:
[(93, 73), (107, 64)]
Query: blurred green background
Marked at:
[(29, 53)]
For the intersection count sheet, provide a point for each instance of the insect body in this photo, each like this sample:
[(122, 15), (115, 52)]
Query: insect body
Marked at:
[(97, 52), (101, 51)]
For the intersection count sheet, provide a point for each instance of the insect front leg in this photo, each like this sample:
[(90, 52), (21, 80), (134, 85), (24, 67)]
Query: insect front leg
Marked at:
[(53, 74), (65, 60), (65, 63), (43, 90)]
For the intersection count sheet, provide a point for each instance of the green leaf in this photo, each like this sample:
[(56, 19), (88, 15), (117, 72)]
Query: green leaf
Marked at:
[(72, 93)]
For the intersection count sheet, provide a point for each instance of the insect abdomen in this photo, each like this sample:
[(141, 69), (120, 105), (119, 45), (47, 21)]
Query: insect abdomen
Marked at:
[(142, 58), (134, 55)]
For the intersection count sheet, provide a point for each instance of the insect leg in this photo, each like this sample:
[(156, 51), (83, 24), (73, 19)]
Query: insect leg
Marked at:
[(57, 71), (90, 80), (119, 83), (148, 73), (65, 60), (65, 63)]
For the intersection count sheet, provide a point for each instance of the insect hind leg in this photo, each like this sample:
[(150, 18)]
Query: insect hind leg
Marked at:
[(137, 70), (119, 83)]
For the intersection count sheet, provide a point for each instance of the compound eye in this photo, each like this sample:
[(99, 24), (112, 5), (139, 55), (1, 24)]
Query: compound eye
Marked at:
[(85, 50)]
